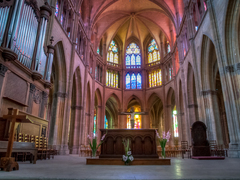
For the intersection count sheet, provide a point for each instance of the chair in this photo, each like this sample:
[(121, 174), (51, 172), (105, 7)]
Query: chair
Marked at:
[(26, 138), (185, 149), (213, 148), (20, 137)]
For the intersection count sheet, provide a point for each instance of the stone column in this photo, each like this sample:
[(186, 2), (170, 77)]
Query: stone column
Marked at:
[(74, 142), (3, 70), (30, 98), (56, 126), (43, 104), (212, 116)]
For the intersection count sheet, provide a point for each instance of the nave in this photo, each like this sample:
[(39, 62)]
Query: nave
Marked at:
[(73, 167)]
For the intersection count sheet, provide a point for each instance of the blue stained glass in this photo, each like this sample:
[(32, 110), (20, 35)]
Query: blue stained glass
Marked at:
[(127, 81), (61, 19), (128, 60), (139, 81), (105, 123), (57, 9), (133, 52), (133, 81), (98, 50), (138, 61), (133, 62)]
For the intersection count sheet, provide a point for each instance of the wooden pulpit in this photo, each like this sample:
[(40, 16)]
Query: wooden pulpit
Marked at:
[(8, 163)]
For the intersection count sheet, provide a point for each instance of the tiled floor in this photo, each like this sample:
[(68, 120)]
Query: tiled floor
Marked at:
[(73, 167)]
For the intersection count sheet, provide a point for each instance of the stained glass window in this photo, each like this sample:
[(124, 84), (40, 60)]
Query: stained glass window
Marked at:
[(105, 123), (155, 78), (95, 121), (112, 79), (133, 81), (170, 73), (153, 52), (112, 55), (133, 56), (61, 20), (139, 81), (98, 50), (128, 60), (205, 6), (168, 47), (175, 122), (128, 81), (57, 9)]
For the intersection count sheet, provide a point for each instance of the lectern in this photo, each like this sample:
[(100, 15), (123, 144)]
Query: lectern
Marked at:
[(8, 163)]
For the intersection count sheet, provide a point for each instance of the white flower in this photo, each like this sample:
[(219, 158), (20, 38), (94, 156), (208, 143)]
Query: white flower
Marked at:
[(125, 158), (131, 158), (129, 153)]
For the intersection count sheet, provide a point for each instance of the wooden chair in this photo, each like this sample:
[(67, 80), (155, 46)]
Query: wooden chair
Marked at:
[(26, 138), (185, 149), (20, 137), (213, 147)]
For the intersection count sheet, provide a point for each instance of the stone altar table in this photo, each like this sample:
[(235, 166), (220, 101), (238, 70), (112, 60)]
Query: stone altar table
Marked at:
[(143, 143)]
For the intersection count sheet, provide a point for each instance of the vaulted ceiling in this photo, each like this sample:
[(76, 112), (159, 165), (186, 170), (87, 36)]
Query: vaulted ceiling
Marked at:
[(139, 19)]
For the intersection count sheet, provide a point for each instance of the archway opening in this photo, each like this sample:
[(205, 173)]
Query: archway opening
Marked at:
[(137, 118), (111, 113)]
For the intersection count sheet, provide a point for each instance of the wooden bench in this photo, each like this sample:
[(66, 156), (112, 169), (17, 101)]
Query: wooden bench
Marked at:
[(21, 147)]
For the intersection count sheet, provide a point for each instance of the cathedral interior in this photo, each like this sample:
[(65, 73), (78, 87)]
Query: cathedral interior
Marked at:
[(76, 66)]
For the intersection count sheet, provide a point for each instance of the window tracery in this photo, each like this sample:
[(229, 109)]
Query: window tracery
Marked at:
[(112, 55), (153, 52), (133, 56)]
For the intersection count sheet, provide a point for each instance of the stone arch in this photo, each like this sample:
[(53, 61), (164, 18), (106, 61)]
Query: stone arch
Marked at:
[(57, 96), (171, 103), (208, 61), (156, 114), (232, 34), (131, 98), (111, 111)]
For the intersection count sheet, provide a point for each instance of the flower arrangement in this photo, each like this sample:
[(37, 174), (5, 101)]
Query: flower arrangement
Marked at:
[(93, 143), (127, 158), (163, 140)]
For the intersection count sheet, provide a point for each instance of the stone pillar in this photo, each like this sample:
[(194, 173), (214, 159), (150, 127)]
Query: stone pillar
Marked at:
[(43, 104), (30, 98), (3, 70), (56, 126), (74, 143)]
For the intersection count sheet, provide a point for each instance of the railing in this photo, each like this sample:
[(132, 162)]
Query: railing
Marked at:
[(133, 66), (112, 64), (153, 63)]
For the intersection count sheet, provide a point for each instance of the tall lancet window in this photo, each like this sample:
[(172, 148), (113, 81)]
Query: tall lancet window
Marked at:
[(112, 56), (133, 56), (57, 9), (133, 81), (153, 52)]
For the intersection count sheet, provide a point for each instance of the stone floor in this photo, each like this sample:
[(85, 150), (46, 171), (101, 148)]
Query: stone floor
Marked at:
[(73, 167)]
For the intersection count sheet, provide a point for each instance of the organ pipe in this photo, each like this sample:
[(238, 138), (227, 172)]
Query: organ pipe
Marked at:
[(4, 12)]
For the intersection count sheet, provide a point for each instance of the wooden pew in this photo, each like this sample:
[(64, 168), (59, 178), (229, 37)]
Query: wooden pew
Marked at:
[(21, 147)]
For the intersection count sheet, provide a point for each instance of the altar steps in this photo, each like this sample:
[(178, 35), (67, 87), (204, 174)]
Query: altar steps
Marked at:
[(118, 161), (208, 157)]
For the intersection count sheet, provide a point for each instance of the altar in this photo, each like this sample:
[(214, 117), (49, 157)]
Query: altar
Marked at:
[(142, 143)]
